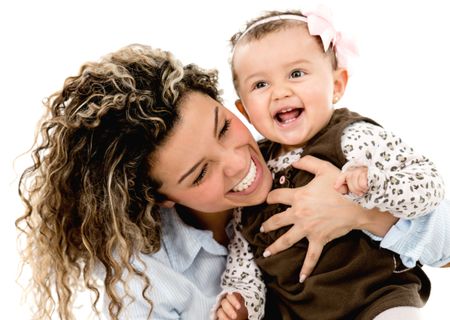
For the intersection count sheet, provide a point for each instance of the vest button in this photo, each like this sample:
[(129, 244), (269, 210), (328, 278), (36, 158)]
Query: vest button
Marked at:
[(282, 179)]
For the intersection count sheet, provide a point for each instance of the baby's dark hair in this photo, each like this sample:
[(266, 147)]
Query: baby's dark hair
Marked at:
[(262, 30), (90, 202)]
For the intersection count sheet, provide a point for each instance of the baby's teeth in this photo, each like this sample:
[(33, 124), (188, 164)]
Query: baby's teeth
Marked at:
[(248, 179)]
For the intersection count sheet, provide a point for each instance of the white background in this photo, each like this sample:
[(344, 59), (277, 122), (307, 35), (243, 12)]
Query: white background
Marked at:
[(402, 79)]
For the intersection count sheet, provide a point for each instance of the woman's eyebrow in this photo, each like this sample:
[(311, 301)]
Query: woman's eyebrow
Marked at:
[(190, 171), (216, 121)]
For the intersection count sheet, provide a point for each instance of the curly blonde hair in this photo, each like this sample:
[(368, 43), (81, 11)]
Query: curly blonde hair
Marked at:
[(89, 200)]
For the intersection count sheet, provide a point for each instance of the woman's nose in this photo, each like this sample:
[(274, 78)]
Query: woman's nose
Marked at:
[(235, 163)]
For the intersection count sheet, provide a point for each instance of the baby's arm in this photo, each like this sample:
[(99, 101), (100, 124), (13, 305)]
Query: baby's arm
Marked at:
[(242, 276), (399, 180), (425, 239)]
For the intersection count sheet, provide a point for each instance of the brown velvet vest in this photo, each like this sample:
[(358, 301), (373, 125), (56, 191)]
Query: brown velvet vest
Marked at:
[(354, 278)]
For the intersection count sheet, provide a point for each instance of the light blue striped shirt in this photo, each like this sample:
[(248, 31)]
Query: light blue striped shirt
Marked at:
[(425, 239), (185, 273)]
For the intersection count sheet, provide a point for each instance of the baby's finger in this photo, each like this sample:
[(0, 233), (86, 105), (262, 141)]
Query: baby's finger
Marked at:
[(363, 183), (311, 259), (228, 309), (359, 185), (221, 315), (234, 301)]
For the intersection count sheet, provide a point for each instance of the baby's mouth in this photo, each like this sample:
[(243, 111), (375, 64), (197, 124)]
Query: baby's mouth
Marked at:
[(288, 115), (247, 180)]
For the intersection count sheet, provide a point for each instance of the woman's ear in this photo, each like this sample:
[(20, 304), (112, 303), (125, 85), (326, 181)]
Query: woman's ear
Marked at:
[(167, 204), (240, 106), (340, 82)]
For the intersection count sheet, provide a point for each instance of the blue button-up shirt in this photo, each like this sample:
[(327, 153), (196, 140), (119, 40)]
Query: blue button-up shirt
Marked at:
[(184, 274)]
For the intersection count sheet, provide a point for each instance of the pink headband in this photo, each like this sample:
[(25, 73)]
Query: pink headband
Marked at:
[(319, 24)]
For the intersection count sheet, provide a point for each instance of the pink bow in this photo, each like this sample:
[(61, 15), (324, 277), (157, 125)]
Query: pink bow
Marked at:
[(320, 23)]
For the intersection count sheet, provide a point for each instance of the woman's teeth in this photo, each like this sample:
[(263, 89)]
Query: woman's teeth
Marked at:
[(248, 179)]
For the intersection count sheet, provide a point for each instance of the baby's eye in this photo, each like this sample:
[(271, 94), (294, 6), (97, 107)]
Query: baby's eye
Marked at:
[(297, 74), (260, 85)]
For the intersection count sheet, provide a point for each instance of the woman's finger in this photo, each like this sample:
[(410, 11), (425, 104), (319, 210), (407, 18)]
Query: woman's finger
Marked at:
[(277, 221), (282, 195), (340, 181), (293, 235), (312, 257), (312, 164)]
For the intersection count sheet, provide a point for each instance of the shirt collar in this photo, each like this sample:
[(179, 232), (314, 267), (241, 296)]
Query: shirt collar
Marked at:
[(182, 242)]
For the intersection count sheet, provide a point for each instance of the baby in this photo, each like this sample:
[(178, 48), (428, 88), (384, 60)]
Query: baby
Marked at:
[(289, 69)]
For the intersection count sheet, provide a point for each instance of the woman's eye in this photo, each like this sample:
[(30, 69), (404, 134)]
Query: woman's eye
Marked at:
[(260, 85), (202, 174), (225, 128), (297, 74)]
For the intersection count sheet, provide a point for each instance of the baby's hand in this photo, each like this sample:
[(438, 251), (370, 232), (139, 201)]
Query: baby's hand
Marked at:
[(355, 179), (232, 307)]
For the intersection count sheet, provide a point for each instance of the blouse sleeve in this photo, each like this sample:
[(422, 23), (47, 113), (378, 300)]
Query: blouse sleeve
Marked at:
[(242, 275), (400, 181)]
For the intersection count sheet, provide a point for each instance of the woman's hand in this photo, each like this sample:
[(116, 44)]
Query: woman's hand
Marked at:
[(318, 212)]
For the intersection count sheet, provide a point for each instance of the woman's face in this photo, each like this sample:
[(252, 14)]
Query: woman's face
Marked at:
[(211, 162)]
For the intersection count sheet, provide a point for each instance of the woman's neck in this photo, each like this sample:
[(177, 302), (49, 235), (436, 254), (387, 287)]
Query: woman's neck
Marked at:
[(215, 222)]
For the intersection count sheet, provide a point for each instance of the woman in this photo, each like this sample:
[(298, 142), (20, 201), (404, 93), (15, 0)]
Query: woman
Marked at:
[(124, 141)]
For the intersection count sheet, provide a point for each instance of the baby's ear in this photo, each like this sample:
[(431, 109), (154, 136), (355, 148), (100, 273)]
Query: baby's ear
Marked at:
[(240, 106), (340, 82), (167, 204)]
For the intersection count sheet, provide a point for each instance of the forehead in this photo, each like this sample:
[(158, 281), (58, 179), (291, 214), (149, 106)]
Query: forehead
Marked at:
[(191, 133), (277, 47), (291, 35)]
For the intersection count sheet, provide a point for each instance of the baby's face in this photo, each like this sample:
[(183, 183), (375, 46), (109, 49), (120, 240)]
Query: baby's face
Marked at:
[(286, 84), (211, 162)]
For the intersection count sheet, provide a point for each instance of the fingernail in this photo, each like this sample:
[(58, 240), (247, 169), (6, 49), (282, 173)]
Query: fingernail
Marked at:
[(261, 229), (266, 253), (302, 278)]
